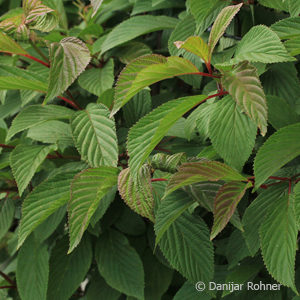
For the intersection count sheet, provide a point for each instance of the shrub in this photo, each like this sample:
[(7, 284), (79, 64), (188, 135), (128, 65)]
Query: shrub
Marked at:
[(153, 180)]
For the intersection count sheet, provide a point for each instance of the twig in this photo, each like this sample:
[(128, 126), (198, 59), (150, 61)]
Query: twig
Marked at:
[(6, 277)]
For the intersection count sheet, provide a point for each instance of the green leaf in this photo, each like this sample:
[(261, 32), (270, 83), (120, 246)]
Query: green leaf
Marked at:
[(188, 292), (146, 71), (24, 162), (225, 204), (275, 153), (170, 208), (97, 80), (194, 172), (282, 80), (243, 84), (119, 264), (139, 106), (281, 113), (149, 131), (183, 30), (187, 247), (87, 190), (96, 5), (261, 44), (52, 132), (220, 25), (7, 213), (100, 290), (32, 270), (20, 83), (67, 271), (36, 115), (255, 214), (278, 236), (205, 12), (195, 45), (43, 201), (68, 59), (157, 277), (95, 136), (142, 6), (297, 203), (287, 28), (7, 44), (228, 127), (137, 194), (134, 27), (276, 4)]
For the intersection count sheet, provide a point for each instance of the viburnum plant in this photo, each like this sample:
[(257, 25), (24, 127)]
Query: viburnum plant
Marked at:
[(119, 184)]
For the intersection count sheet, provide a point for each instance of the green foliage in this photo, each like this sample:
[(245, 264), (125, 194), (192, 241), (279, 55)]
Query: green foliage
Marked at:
[(149, 145)]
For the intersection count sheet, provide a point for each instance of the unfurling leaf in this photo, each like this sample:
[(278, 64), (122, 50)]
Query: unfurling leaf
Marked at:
[(68, 59), (195, 45), (189, 173), (220, 25), (225, 204), (137, 194), (243, 84)]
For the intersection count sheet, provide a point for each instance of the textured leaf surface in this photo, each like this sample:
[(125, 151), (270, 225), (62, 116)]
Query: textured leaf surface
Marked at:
[(119, 264), (189, 173), (225, 204), (261, 44), (137, 194), (136, 76), (183, 30), (205, 11), (188, 292), (68, 59), (7, 44), (170, 208), (281, 113), (148, 132), (25, 160), (255, 214), (95, 136), (20, 83), (36, 115), (87, 190), (44, 200), (67, 271), (278, 236), (243, 84), (134, 27), (124, 89), (168, 163), (7, 212), (279, 149), (232, 133), (221, 23), (97, 80), (187, 247), (296, 196), (195, 45), (33, 270), (287, 28)]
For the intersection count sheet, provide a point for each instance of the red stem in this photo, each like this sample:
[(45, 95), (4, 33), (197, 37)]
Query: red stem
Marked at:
[(69, 101), (158, 179), (7, 287), (279, 178), (36, 59), (6, 277), (202, 74), (6, 146)]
